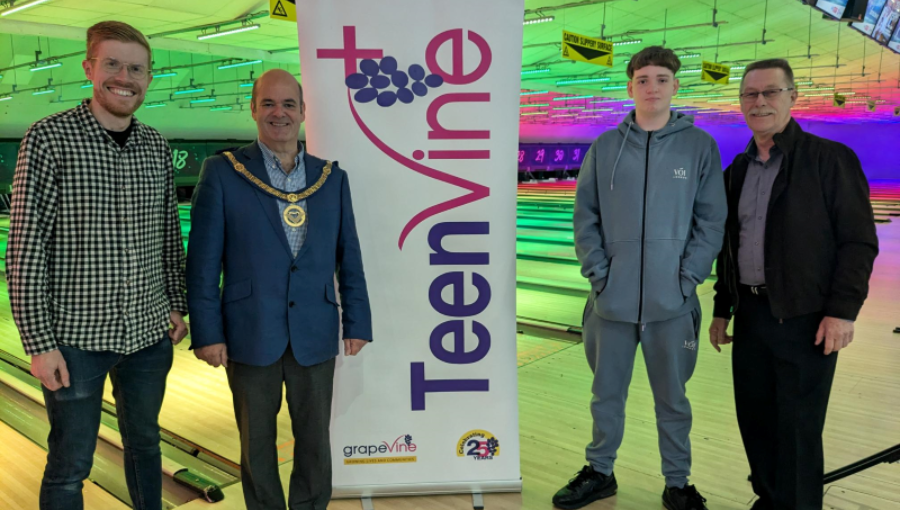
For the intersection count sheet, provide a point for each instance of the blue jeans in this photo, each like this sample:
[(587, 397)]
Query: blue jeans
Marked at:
[(139, 382)]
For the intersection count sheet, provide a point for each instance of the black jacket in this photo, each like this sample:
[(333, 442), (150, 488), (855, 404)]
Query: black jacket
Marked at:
[(820, 231)]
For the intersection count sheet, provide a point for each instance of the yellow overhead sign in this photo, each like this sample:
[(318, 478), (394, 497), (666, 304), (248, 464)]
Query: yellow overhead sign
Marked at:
[(285, 10), (582, 48), (840, 100), (715, 73)]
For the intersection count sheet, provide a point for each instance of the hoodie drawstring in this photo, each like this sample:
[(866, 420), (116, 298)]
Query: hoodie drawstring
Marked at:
[(616, 165)]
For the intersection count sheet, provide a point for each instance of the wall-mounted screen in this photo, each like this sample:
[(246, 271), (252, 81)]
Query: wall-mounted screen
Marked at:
[(873, 12), (833, 8), (887, 22)]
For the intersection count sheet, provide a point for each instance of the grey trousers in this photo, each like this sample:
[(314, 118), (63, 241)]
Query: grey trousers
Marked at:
[(257, 395), (670, 353)]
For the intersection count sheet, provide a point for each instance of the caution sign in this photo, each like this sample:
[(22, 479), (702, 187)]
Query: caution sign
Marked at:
[(582, 48), (870, 105), (840, 101), (897, 111), (715, 73), (285, 10)]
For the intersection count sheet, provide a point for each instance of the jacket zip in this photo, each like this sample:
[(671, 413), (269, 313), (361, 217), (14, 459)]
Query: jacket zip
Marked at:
[(644, 230)]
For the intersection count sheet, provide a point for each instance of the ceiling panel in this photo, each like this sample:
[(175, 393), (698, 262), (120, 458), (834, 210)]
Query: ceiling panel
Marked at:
[(862, 67)]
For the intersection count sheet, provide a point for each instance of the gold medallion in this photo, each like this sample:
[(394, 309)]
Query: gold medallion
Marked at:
[(294, 215)]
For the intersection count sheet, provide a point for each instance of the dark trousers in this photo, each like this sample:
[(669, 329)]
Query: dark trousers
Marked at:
[(782, 382), (257, 395), (139, 382)]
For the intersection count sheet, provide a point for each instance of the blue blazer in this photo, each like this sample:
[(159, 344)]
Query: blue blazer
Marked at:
[(268, 298)]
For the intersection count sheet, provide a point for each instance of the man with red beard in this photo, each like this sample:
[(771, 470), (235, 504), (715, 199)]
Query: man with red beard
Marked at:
[(95, 268)]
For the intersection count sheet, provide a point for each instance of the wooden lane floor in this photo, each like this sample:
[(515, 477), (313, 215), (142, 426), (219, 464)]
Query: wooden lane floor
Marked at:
[(555, 422), (21, 469), (554, 392), (197, 406)]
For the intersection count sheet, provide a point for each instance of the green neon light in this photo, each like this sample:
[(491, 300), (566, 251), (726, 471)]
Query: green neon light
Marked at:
[(566, 98), (583, 80), (240, 64), (50, 66)]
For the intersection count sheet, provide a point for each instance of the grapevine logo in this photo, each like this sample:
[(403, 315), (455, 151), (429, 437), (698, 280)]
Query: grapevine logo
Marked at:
[(478, 444), (384, 453), (375, 76)]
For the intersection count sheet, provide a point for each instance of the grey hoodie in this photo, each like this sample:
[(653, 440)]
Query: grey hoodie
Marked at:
[(649, 221)]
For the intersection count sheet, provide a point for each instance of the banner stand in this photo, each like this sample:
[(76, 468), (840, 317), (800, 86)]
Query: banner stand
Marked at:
[(419, 103)]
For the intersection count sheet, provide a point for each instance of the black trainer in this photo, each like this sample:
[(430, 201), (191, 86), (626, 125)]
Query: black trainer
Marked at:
[(587, 486), (683, 498), (761, 505)]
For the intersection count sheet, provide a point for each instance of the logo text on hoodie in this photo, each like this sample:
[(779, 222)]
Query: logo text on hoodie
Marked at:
[(680, 173)]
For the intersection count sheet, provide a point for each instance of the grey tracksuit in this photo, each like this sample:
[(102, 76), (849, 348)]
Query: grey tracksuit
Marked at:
[(649, 221)]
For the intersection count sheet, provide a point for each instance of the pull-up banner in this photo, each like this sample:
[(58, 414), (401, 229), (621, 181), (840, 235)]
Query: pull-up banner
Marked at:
[(419, 102)]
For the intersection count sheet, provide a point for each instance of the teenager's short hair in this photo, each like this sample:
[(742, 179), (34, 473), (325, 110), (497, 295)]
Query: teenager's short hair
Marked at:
[(654, 56)]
